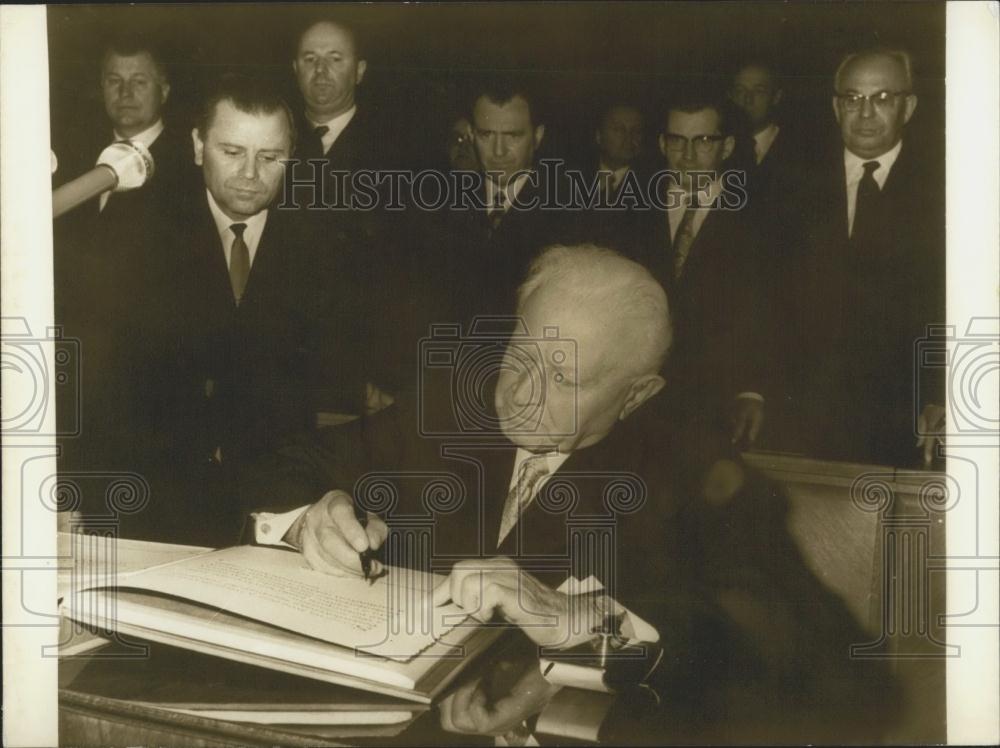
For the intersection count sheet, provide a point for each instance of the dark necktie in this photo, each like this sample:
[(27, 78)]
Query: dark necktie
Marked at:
[(239, 262), (499, 210), (683, 240), (866, 207), (319, 132)]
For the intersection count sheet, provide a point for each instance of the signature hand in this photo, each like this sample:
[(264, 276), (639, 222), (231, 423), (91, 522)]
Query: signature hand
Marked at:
[(330, 537)]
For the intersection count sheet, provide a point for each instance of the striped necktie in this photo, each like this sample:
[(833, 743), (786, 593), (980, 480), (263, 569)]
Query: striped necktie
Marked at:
[(529, 474)]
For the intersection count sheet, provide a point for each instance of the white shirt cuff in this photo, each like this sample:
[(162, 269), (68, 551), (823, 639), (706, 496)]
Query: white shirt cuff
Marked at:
[(270, 528), (751, 396)]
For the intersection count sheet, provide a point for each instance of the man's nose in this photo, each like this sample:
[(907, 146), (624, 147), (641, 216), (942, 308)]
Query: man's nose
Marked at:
[(689, 152), (499, 146), (322, 69), (867, 108), (249, 170), (521, 386)]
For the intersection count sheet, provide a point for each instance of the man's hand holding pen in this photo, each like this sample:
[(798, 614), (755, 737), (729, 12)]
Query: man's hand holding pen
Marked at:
[(337, 538)]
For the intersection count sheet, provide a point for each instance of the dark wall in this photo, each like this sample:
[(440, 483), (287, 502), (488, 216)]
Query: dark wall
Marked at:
[(580, 53)]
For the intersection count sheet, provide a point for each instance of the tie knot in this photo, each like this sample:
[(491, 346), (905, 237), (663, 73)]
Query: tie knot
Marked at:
[(531, 470), (870, 167), (321, 131), (238, 229)]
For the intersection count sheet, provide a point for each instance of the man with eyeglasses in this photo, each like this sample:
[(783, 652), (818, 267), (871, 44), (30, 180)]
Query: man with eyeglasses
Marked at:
[(705, 249), (872, 276)]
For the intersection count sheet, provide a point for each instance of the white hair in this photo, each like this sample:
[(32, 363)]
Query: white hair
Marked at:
[(901, 56), (614, 288)]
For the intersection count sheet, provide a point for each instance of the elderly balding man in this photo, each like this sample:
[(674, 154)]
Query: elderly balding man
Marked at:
[(544, 460), (872, 277)]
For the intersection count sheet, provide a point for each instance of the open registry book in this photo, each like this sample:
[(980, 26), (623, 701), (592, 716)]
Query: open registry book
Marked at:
[(266, 607)]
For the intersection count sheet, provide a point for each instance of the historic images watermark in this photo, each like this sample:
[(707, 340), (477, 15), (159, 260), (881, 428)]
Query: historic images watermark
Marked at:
[(555, 187)]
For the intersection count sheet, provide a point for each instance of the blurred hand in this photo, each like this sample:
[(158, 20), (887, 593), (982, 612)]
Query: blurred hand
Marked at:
[(330, 537), (481, 708), (723, 481), (931, 426), (376, 399), (747, 420), (485, 587)]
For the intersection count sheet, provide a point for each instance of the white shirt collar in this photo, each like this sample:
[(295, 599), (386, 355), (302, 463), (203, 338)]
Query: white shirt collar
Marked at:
[(337, 125), (146, 137), (617, 174), (681, 198), (854, 165), (763, 141), (251, 234), (512, 190)]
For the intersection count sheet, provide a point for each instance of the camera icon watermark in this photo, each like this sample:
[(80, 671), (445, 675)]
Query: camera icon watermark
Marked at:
[(35, 383), (472, 366), (965, 367)]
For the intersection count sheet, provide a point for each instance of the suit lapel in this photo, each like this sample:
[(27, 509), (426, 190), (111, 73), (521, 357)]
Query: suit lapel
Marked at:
[(211, 257), (264, 262)]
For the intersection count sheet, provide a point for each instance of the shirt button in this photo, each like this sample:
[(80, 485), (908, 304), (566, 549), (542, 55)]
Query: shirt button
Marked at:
[(265, 528)]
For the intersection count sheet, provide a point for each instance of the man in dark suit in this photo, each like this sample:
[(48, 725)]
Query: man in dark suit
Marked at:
[(238, 324), (135, 87), (484, 247), (706, 250), (619, 140), (872, 275), (776, 166), (329, 65), (617, 218), (464, 261), (571, 473)]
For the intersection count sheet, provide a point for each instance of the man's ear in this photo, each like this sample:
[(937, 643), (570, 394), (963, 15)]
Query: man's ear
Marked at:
[(360, 75), (164, 92), (911, 107), (727, 147), (199, 146), (597, 137), (539, 134), (836, 110), (639, 392), (776, 97), (662, 142)]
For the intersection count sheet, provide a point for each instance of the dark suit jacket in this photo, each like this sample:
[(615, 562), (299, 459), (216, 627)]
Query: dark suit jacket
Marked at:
[(624, 224), (629, 509), (722, 312), (452, 265), (483, 259), (858, 313), (783, 166), (195, 375), (89, 250)]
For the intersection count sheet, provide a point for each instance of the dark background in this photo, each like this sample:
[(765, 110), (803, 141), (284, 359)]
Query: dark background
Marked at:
[(578, 53)]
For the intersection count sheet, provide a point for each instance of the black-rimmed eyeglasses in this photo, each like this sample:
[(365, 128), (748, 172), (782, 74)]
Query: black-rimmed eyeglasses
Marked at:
[(852, 102)]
